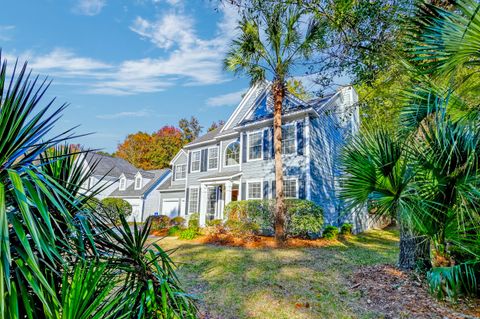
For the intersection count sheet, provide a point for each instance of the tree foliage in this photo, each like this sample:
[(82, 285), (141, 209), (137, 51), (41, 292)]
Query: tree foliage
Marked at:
[(190, 129)]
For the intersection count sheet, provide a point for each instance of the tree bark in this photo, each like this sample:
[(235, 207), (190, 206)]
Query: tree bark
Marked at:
[(414, 250), (278, 90)]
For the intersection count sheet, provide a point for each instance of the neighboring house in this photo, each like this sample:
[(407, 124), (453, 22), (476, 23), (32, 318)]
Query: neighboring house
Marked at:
[(236, 161), (120, 179)]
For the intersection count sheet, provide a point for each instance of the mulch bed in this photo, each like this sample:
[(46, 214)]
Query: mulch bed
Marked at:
[(397, 294), (261, 241)]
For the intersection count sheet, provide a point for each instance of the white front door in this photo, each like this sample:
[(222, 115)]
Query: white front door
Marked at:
[(170, 207)]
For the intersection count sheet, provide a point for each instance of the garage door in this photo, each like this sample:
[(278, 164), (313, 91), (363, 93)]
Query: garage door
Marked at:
[(170, 207)]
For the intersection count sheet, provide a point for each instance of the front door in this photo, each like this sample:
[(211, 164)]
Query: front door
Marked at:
[(211, 202)]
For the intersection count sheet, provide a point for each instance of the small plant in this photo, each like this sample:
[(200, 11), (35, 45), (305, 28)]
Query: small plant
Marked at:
[(177, 221), (194, 221), (188, 234), (159, 222), (214, 222), (330, 232), (174, 231), (346, 229)]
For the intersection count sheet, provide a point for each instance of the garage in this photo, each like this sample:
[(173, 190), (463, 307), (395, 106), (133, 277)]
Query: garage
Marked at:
[(170, 207)]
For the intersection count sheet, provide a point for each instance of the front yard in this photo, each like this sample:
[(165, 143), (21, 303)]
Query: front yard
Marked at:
[(291, 283)]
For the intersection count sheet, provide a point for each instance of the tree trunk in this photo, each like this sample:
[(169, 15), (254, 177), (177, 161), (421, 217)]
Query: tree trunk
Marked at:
[(278, 90), (414, 250)]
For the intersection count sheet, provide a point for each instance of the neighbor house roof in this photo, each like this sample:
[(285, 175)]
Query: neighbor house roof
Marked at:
[(110, 166), (166, 186), (130, 191)]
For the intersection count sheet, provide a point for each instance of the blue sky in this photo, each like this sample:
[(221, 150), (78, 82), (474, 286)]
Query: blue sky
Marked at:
[(126, 65)]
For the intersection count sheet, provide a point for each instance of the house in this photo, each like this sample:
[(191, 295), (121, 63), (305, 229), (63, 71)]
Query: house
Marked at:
[(115, 177), (236, 161)]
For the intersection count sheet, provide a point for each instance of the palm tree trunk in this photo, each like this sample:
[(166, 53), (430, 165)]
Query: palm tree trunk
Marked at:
[(414, 249), (278, 90)]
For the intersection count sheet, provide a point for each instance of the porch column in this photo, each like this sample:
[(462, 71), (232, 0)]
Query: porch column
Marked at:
[(203, 204), (228, 192)]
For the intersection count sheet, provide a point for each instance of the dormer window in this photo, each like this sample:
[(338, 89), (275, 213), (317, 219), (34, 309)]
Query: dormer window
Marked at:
[(123, 184), (138, 182)]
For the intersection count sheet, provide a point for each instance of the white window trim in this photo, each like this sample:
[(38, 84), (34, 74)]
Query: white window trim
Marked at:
[(295, 152), (248, 146), (176, 170), (208, 158), (199, 161), (135, 181), (239, 154), (188, 199), (124, 184), (296, 186), (248, 188)]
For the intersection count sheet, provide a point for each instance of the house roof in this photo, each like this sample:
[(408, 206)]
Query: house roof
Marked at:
[(221, 175), (130, 191), (110, 166), (206, 137), (166, 186)]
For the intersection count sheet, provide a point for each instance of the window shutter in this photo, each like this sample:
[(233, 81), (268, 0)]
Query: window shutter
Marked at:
[(189, 161), (266, 148), (265, 190), (204, 160), (186, 201), (272, 146), (274, 195), (301, 188), (300, 138), (244, 147), (244, 191), (173, 173)]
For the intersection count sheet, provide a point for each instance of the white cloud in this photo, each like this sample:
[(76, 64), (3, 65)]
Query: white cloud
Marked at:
[(226, 99), (141, 113), (89, 7), (6, 32)]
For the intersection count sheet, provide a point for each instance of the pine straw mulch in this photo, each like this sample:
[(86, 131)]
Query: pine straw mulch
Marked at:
[(261, 241), (396, 294)]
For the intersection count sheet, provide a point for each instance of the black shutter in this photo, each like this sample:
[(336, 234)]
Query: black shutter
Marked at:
[(186, 201), (189, 161), (301, 188), (265, 189), (300, 137), (244, 147), (272, 146), (204, 160), (274, 195), (266, 148), (244, 191)]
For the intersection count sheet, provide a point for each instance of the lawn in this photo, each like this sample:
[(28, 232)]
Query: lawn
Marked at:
[(281, 283)]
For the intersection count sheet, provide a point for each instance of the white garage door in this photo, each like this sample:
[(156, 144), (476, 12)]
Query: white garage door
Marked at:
[(170, 207)]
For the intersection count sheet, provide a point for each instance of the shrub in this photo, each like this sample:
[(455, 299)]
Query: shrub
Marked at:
[(159, 222), (194, 221), (330, 232), (188, 234), (174, 231), (112, 208), (242, 228), (214, 222), (177, 221), (304, 218), (346, 229)]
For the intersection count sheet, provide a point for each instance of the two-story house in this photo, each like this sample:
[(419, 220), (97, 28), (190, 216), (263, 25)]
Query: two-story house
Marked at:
[(236, 161)]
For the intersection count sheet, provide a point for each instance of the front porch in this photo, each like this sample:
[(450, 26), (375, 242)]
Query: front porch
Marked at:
[(215, 194)]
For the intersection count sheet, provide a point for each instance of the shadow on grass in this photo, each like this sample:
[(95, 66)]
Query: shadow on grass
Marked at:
[(281, 283)]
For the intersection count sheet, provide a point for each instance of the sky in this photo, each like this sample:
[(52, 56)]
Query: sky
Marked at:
[(126, 65)]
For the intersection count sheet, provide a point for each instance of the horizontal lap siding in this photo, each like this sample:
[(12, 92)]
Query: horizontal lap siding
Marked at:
[(182, 159), (170, 195)]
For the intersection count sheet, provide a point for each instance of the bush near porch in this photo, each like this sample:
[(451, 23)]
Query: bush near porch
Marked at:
[(304, 218)]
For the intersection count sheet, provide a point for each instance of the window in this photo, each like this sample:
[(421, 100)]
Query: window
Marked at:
[(254, 190), (195, 161), (290, 188), (255, 141), (138, 182), (123, 182), (193, 200), (213, 158), (232, 154), (288, 139), (180, 171)]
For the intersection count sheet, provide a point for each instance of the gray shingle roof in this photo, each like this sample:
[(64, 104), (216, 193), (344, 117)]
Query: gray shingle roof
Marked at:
[(130, 191), (206, 137), (167, 186), (111, 166), (220, 175)]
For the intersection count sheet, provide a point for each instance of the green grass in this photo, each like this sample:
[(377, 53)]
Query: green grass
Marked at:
[(279, 283)]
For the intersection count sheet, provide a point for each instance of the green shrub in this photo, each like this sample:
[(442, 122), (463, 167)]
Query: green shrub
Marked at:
[(304, 218), (346, 229), (188, 234), (194, 221), (174, 230), (242, 228), (159, 222), (177, 221), (214, 222), (330, 232), (112, 208)]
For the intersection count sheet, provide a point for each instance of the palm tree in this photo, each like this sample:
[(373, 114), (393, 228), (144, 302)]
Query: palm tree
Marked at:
[(273, 38)]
